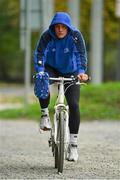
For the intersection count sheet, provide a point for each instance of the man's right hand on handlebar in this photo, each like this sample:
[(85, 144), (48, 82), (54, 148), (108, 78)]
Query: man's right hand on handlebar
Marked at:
[(41, 87), (40, 74)]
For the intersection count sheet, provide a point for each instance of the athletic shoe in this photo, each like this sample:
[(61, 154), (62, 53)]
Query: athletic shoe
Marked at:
[(72, 154), (45, 123)]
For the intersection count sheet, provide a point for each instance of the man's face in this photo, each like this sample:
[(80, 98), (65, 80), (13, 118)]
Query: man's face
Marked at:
[(61, 30)]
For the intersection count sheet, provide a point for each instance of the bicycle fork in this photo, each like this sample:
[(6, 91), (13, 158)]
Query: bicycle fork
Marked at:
[(53, 137)]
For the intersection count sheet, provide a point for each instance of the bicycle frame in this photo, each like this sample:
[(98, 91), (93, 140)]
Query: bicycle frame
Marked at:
[(61, 80), (61, 106)]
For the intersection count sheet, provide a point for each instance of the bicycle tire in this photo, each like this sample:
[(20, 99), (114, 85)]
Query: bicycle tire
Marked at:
[(61, 142), (56, 155)]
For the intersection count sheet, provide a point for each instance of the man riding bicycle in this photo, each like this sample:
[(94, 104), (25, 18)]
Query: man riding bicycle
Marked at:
[(61, 51)]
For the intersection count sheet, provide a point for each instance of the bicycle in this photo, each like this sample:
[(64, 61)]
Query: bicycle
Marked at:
[(59, 135)]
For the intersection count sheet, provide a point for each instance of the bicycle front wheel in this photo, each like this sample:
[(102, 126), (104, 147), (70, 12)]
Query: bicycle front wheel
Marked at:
[(61, 142)]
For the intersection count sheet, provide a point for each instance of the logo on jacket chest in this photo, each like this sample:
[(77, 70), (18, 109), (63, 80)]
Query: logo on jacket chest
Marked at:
[(53, 49), (66, 50)]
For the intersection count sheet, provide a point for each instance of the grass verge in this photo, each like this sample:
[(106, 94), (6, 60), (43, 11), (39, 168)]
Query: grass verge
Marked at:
[(97, 102)]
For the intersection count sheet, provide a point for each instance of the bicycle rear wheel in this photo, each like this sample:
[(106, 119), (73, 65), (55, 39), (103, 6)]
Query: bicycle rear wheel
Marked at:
[(61, 142)]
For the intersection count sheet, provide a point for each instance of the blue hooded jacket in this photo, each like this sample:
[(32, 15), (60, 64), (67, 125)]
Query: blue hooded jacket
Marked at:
[(66, 55)]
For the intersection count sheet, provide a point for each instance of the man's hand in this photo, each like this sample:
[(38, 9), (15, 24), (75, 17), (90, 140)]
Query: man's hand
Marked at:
[(41, 72), (83, 77)]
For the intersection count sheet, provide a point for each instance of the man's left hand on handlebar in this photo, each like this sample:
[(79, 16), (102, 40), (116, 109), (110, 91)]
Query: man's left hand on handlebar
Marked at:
[(83, 77)]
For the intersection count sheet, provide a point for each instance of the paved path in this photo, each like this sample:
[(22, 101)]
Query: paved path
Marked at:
[(24, 153)]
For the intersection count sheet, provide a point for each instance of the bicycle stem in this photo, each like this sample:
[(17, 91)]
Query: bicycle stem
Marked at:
[(60, 99)]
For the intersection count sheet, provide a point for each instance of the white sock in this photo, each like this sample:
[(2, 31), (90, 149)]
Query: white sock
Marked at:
[(44, 111), (73, 139)]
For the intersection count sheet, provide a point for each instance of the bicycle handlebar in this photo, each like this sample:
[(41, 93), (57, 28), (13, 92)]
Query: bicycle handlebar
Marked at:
[(60, 79), (72, 79)]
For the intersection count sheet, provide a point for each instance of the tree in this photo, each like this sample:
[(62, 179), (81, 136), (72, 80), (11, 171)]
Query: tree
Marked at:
[(9, 40)]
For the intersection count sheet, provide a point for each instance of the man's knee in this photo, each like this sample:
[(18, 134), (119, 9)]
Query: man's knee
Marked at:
[(74, 106)]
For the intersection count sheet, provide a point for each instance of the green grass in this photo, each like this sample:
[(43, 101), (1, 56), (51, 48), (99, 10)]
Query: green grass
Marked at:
[(100, 101), (97, 102)]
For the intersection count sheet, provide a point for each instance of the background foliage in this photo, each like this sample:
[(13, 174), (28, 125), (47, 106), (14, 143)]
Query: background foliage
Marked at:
[(12, 58)]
